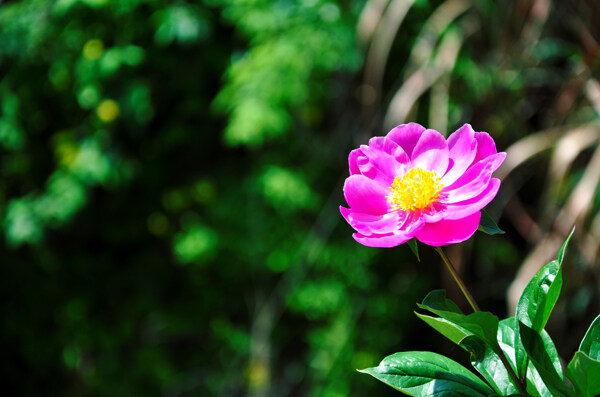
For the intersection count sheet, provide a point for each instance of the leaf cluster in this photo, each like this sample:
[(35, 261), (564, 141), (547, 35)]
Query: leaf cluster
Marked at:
[(515, 356)]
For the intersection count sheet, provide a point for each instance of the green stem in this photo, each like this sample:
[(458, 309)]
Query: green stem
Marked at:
[(513, 376), (458, 280), (524, 378)]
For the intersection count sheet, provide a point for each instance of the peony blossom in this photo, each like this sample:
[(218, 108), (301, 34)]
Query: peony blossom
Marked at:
[(415, 183)]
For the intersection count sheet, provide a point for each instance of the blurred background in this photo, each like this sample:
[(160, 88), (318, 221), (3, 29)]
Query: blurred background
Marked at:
[(171, 172)]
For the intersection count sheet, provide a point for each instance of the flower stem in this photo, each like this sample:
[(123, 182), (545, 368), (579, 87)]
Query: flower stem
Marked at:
[(458, 280), (521, 386)]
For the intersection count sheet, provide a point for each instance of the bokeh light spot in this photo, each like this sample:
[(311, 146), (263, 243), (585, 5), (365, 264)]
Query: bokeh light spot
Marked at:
[(93, 49), (108, 110)]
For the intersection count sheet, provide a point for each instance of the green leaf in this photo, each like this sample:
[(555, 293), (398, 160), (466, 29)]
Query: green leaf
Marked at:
[(563, 248), (537, 353), (412, 244), (445, 327), (506, 338), (483, 358), (590, 344), (540, 296), (481, 324), (487, 225), (437, 300), (584, 373), (537, 301), (488, 364), (428, 374)]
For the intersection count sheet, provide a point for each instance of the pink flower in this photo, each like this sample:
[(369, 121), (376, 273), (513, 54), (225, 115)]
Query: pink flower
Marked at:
[(415, 183)]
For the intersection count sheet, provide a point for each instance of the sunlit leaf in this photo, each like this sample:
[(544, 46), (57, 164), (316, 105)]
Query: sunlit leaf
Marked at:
[(489, 365), (445, 327), (437, 300), (584, 373), (538, 300), (506, 338), (537, 352), (590, 344), (481, 324), (427, 374)]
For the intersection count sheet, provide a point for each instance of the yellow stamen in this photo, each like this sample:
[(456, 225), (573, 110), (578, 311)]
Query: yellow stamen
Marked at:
[(416, 190)]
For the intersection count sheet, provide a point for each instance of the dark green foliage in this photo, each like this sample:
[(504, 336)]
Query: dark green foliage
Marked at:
[(414, 247), (487, 225), (168, 227)]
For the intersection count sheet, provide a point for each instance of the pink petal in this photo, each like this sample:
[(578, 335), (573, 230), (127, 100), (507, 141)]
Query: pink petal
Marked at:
[(382, 240), (431, 152), (496, 159), (365, 195), (383, 160), (485, 146), (352, 161), (462, 146), (369, 224), (474, 180), (390, 147), (434, 213), (467, 207), (471, 184), (406, 135), (412, 222), (449, 231)]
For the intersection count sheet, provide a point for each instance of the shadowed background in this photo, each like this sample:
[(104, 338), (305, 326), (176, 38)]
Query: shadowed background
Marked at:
[(171, 174)]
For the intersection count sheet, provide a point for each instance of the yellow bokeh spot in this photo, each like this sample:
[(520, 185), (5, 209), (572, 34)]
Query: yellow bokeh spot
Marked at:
[(107, 110), (93, 49), (66, 153), (416, 190), (257, 375)]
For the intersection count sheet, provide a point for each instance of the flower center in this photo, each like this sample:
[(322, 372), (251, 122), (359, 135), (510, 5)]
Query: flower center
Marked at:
[(416, 190)]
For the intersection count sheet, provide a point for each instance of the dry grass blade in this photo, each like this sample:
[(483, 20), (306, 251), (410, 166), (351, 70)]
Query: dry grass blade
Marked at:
[(566, 151), (592, 92), (579, 202), (575, 210), (422, 79), (369, 19), (522, 221), (439, 21), (379, 49), (438, 111), (540, 11), (528, 147), (591, 242)]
